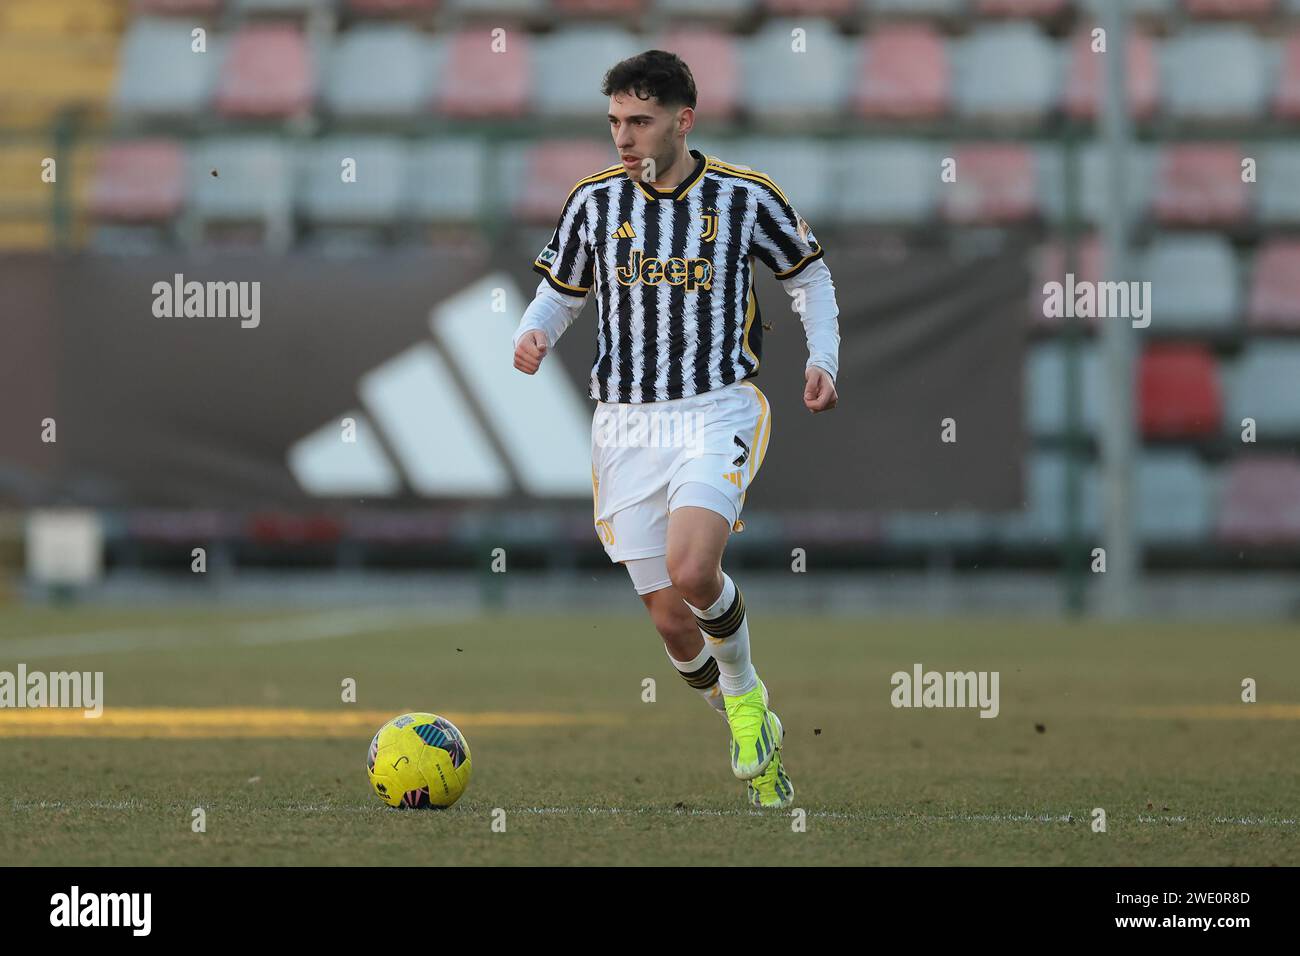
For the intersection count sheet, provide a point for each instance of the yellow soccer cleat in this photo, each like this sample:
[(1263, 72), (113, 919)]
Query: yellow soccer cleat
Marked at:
[(755, 732), (772, 788)]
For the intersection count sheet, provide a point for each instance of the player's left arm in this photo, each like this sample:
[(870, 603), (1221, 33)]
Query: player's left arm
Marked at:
[(785, 243), (813, 299)]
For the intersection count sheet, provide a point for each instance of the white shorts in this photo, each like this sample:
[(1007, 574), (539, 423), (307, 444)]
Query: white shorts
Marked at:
[(650, 459)]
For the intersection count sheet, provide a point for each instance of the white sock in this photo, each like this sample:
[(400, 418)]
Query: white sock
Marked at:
[(726, 634), (702, 674)]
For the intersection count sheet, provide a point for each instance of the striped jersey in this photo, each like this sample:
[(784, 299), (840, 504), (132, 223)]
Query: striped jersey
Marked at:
[(673, 274)]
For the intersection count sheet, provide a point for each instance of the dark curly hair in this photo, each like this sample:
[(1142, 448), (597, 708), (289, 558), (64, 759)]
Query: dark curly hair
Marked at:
[(656, 73)]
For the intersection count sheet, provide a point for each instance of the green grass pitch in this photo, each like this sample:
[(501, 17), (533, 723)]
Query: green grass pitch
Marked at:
[(1144, 720)]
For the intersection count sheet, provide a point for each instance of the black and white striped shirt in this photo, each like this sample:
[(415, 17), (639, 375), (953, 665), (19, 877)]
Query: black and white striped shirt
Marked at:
[(673, 274)]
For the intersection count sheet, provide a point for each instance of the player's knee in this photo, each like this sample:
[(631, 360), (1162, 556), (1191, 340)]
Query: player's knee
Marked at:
[(699, 582)]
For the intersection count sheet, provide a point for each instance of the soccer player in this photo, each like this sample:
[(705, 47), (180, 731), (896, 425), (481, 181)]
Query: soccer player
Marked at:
[(665, 240)]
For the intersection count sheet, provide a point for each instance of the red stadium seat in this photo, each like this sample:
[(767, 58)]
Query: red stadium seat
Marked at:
[(833, 8), (1178, 391), (1230, 9), (475, 82), (1261, 502), (715, 62), (904, 74), (995, 183), (138, 181), (1200, 185), (1050, 267), (1275, 286), (553, 167), (1084, 82), (1019, 8), (266, 74), (1286, 101)]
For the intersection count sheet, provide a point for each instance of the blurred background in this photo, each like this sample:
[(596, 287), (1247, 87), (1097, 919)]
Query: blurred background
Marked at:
[(212, 138)]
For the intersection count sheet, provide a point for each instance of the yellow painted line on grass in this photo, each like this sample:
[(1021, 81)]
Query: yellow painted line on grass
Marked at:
[(1223, 712), (201, 722)]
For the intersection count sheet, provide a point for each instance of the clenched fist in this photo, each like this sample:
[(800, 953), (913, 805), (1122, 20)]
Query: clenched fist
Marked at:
[(819, 390), (530, 351)]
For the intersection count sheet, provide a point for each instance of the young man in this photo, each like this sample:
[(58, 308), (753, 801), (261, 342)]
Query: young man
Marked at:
[(666, 239)]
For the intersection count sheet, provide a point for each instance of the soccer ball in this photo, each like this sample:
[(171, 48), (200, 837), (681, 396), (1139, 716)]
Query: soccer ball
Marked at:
[(419, 760)]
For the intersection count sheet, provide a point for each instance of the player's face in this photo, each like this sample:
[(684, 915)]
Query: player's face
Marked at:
[(643, 129)]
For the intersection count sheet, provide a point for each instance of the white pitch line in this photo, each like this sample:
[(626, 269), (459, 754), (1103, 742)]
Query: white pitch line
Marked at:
[(697, 812), (288, 629)]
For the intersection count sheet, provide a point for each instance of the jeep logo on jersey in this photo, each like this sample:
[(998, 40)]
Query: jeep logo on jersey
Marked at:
[(694, 273)]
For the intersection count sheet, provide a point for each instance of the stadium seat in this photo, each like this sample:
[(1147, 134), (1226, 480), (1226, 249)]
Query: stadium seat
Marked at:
[(380, 70), (475, 82), (1194, 282), (732, 13), (902, 74), (1275, 287), (714, 59), (1020, 8), (1049, 266), (822, 8), (918, 8), (540, 174), (801, 167), (140, 180), (382, 7), (1261, 501), (1042, 522), (1044, 389), (467, 10), (1006, 72), (782, 85), (1201, 185), (377, 196), (1175, 498), (1094, 190), (252, 181), (1152, 9), (1278, 174), (165, 7), (995, 183), (1286, 97), (267, 73), (579, 8), (569, 66), (159, 76), (892, 182), (1178, 391), (1230, 9), (447, 180), (1085, 79), (1266, 387), (1213, 74)]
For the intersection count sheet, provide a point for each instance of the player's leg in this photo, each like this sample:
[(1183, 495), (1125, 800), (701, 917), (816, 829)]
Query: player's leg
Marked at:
[(683, 642), (697, 536)]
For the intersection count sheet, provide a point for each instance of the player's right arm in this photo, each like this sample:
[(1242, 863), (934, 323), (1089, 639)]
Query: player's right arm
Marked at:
[(567, 275)]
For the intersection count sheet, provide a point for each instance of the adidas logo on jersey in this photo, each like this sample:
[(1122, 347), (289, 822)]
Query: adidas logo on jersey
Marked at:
[(625, 231)]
